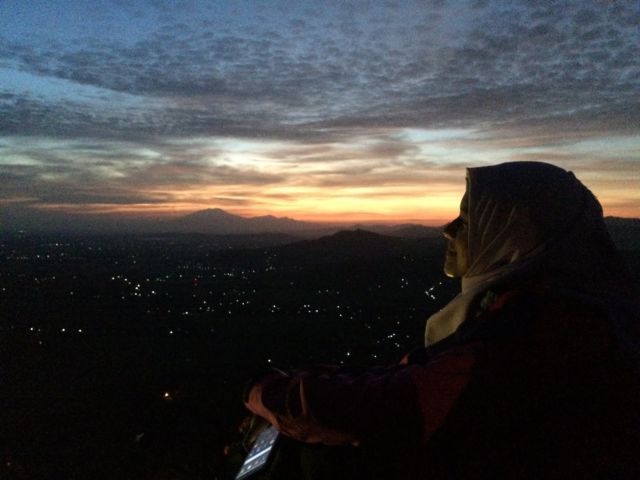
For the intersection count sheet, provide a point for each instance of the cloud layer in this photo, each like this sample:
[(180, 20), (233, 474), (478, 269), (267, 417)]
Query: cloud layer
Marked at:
[(148, 101)]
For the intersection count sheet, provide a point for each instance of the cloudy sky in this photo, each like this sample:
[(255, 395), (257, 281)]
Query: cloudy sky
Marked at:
[(317, 110)]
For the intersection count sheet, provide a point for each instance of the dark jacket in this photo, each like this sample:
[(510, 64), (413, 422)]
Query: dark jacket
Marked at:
[(533, 385)]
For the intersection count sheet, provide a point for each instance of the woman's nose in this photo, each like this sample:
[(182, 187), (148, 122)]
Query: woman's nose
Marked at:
[(451, 228)]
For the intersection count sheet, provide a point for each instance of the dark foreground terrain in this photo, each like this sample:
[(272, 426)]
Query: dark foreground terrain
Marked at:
[(125, 357)]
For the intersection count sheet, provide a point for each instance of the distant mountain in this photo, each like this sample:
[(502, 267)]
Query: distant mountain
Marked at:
[(624, 231), (214, 221), (219, 222)]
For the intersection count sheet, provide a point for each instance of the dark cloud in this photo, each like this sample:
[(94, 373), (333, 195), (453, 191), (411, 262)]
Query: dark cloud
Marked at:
[(231, 201), (107, 198), (117, 173), (512, 65), (193, 174), (387, 149), (373, 149), (40, 185)]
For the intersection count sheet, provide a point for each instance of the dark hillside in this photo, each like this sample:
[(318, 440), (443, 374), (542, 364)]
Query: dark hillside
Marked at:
[(125, 357), (358, 245), (625, 233)]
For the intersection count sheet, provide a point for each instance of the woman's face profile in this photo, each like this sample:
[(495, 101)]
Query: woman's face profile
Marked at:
[(456, 262)]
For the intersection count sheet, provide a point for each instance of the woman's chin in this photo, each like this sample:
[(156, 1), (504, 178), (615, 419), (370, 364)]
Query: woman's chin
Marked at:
[(450, 269)]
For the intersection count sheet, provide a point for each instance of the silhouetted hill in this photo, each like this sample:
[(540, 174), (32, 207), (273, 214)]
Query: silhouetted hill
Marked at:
[(625, 232), (354, 242), (415, 231), (356, 245), (346, 247), (408, 230), (219, 222)]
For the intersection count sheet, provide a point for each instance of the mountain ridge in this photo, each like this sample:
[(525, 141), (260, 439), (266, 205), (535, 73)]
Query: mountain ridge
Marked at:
[(216, 221)]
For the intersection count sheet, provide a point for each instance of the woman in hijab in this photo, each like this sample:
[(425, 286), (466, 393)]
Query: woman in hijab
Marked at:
[(530, 372)]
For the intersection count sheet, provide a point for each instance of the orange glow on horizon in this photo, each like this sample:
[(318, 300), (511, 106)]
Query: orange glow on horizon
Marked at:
[(385, 204), (422, 216), (434, 211), (434, 204)]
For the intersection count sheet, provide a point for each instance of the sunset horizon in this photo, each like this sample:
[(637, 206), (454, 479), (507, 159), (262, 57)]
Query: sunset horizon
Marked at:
[(331, 112)]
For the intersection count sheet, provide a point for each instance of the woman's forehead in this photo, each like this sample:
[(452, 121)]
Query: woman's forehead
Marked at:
[(464, 202)]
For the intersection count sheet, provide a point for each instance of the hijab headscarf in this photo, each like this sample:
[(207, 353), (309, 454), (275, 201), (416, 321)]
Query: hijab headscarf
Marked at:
[(532, 220)]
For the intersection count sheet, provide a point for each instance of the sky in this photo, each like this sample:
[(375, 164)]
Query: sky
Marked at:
[(319, 110)]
